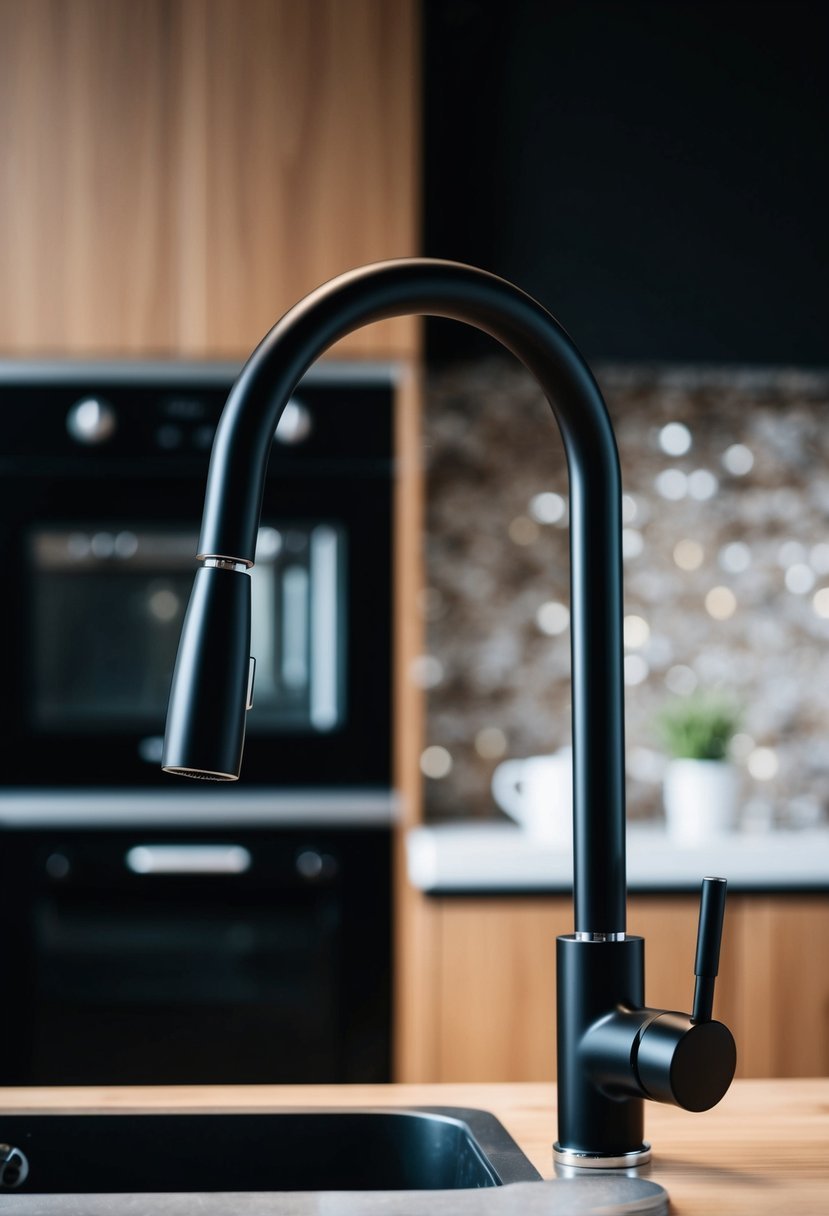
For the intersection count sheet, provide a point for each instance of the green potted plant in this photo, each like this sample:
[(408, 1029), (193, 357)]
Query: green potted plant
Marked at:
[(701, 783)]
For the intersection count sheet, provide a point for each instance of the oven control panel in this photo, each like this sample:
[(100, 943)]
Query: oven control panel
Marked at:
[(96, 413)]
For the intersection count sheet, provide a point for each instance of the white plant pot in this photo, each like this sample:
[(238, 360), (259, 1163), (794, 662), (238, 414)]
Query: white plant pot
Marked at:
[(700, 799)]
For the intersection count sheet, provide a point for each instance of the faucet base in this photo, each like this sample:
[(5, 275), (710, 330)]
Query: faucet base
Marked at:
[(600, 1161), (600, 1115)]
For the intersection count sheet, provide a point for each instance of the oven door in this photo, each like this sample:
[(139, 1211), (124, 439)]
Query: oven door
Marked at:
[(103, 568), (190, 957)]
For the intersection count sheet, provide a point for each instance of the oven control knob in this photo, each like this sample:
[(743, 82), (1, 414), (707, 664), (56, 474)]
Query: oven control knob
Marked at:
[(91, 421), (316, 867), (295, 425), (58, 866)]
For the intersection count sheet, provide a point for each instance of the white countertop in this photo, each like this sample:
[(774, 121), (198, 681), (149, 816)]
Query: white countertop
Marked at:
[(500, 857)]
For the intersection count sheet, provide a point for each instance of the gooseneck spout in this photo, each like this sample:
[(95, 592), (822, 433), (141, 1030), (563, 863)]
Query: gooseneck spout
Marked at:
[(236, 482), (613, 1051)]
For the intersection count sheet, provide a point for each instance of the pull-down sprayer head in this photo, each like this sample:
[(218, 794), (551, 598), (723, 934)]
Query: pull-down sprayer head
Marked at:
[(211, 683)]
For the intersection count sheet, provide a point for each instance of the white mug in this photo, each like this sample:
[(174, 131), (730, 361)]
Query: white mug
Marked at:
[(538, 793)]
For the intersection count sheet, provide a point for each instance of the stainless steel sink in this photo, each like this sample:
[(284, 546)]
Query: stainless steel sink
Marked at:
[(405, 1149)]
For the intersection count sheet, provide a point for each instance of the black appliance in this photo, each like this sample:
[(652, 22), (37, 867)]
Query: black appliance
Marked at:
[(161, 935)]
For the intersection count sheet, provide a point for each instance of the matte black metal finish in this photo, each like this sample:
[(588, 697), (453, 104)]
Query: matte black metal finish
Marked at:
[(206, 713), (600, 1102), (687, 1064), (416, 1148), (709, 936), (613, 1050), (603, 1025), (238, 467)]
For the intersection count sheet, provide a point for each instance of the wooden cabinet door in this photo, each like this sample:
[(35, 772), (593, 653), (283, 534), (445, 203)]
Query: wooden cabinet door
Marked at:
[(784, 989), (496, 963), (494, 959), (175, 174)]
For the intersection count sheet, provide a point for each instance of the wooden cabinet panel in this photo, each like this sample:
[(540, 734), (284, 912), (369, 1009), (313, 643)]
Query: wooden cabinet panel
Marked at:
[(311, 169), (174, 174), (88, 177), (495, 963), (785, 1022), (497, 988)]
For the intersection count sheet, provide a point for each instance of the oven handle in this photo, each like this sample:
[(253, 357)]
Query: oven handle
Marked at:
[(188, 859)]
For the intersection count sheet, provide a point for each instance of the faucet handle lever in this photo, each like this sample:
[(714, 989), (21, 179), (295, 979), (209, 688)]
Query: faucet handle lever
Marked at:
[(709, 936)]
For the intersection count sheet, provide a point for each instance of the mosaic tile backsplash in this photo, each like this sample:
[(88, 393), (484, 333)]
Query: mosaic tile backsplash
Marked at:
[(726, 553)]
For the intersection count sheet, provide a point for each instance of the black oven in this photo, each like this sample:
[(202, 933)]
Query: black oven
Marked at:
[(156, 932), (187, 955), (102, 476)]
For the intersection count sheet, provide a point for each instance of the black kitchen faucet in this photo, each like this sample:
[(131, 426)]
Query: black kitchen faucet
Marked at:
[(612, 1050)]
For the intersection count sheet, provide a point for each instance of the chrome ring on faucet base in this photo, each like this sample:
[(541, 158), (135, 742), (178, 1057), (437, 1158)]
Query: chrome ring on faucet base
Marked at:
[(216, 562), (599, 1161)]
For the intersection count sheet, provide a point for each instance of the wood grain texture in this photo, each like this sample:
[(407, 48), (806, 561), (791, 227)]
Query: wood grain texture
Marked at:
[(175, 174), (786, 1022), (88, 229), (310, 116), (761, 1152), (408, 573), (496, 988), (415, 920)]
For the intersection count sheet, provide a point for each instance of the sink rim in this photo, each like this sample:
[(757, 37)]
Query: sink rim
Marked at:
[(498, 1153)]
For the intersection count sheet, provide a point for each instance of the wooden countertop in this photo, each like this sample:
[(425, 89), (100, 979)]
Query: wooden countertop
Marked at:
[(763, 1150)]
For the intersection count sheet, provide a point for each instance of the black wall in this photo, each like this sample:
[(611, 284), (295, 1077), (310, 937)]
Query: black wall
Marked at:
[(656, 173)]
